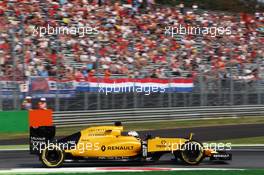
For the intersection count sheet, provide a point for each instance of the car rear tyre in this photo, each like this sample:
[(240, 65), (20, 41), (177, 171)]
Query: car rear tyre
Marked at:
[(52, 156), (192, 153)]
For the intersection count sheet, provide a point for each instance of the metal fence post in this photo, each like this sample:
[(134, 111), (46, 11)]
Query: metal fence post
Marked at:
[(218, 91), (98, 96), (190, 99), (202, 85), (57, 99), (161, 99), (124, 100), (185, 99), (246, 94), (231, 90), (170, 94), (135, 104), (86, 99), (259, 92), (98, 105), (205, 91)]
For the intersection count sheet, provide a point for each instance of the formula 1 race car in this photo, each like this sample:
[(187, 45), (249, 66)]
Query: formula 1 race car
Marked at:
[(109, 143)]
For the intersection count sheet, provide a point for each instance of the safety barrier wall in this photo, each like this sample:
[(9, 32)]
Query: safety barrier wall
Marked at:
[(20, 121), (14, 121)]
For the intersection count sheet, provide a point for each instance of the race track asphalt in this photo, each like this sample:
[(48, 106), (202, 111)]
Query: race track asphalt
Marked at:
[(212, 132), (241, 159)]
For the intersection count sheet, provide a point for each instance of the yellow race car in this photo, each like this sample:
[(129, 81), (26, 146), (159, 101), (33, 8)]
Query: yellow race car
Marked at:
[(111, 143)]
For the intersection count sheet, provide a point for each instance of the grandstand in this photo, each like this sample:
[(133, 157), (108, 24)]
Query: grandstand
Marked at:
[(130, 43)]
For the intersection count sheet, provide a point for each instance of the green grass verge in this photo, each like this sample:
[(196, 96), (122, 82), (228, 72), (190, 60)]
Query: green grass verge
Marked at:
[(14, 147), (200, 172), (155, 125)]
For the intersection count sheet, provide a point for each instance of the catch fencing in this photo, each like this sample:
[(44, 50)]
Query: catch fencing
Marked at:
[(206, 92)]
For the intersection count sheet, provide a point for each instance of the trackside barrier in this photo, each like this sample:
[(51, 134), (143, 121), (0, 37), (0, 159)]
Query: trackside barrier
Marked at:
[(79, 118), (20, 121), (13, 121), (40, 117)]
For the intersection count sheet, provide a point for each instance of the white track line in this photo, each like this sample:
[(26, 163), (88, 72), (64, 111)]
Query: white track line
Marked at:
[(106, 169), (247, 145), (15, 149)]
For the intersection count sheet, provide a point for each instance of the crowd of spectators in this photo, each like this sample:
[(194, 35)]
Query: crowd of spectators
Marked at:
[(131, 41)]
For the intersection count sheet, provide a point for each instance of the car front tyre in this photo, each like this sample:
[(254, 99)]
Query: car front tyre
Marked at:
[(192, 153)]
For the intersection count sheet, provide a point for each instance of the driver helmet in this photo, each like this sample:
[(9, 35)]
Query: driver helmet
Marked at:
[(133, 133)]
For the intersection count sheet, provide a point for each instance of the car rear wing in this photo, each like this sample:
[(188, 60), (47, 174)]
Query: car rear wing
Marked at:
[(41, 130)]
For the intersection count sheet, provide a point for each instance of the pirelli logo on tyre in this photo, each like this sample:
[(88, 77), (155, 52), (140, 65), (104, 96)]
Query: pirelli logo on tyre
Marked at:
[(114, 148)]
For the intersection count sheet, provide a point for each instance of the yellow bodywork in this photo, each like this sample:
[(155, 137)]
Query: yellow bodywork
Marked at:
[(165, 144), (106, 141)]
